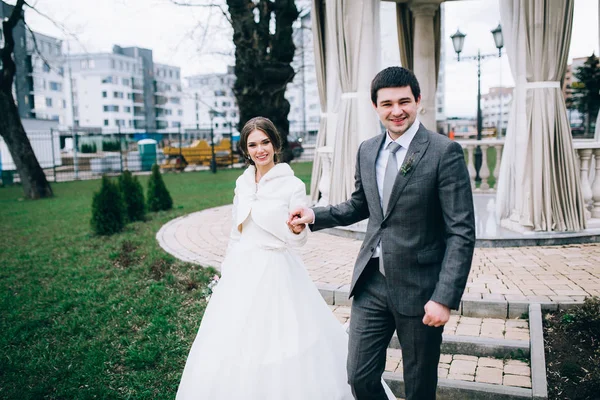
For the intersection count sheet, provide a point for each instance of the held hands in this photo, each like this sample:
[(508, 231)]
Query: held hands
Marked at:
[(436, 314), (298, 218)]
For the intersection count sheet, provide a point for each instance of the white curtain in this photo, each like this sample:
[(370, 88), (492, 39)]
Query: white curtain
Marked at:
[(355, 25), (406, 36), (597, 132), (318, 28), (539, 186)]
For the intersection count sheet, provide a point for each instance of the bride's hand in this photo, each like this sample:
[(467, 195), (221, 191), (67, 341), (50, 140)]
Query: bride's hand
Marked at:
[(297, 229), (301, 216)]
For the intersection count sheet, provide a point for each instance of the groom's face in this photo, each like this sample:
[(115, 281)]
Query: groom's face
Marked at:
[(397, 109)]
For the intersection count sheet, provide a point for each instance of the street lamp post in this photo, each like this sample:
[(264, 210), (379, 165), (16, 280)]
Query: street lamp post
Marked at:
[(458, 40), (213, 163)]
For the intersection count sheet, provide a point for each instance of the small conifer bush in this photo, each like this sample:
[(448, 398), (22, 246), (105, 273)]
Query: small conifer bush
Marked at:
[(159, 197), (133, 196), (108, 209)]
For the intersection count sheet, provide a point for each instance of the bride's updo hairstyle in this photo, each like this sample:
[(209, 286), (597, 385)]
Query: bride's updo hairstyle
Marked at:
[(265, 125)]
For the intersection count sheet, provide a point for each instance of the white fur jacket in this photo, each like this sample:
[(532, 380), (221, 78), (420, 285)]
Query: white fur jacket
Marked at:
[(269, 202)]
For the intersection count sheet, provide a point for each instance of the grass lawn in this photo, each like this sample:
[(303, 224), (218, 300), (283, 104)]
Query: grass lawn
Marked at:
[(88, 317)]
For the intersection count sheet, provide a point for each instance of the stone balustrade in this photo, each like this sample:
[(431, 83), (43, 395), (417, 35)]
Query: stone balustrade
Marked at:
[(587, 153), (491, 155)]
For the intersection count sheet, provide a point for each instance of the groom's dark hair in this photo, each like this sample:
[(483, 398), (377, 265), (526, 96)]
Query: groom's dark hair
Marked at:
[(392, 77)]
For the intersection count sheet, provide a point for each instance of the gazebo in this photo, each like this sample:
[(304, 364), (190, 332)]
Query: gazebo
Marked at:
[(544, 180)]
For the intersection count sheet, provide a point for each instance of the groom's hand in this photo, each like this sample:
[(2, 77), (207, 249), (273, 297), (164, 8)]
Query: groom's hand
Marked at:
[(296, 218), (436, 314), (301, 216)]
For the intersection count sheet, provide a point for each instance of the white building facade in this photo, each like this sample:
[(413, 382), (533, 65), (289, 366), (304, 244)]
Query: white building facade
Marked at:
[(114, 92), (495, 108), (46, 81), (209, 99)]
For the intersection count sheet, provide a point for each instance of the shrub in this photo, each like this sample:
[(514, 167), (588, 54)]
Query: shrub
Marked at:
[(111, 145), (133, 196), (108, 210), (158, 195), (88, 148)]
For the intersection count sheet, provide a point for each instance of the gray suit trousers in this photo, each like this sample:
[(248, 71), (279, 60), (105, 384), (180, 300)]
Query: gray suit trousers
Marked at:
[(372, 325)]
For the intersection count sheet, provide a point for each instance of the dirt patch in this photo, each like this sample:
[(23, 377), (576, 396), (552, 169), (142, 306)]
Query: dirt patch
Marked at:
[(572, 341)]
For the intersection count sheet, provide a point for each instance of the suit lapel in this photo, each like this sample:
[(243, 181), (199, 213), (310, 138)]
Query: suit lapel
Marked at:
[(370, 177), (415, 152)]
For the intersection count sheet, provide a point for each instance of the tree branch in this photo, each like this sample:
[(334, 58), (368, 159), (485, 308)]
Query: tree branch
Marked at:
[(9, 69), (203, 5)]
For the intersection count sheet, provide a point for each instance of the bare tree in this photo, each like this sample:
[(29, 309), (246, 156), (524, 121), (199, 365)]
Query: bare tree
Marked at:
[(33, 180), (264, 50)]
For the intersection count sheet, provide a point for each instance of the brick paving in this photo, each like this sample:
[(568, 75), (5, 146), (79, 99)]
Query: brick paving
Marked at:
[(543, 274), (472, 369), (492, 328)]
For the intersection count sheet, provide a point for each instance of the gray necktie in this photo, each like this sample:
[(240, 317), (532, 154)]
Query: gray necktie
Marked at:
[(390, 174), (388, 183)]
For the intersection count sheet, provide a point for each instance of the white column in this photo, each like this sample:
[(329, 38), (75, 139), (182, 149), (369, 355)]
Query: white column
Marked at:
[(484, 172), (471, 164), (585, 156), (424, 60), (596, 187), (496, 171)]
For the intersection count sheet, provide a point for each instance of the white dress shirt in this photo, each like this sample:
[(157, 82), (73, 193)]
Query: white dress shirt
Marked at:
[(382, 160)]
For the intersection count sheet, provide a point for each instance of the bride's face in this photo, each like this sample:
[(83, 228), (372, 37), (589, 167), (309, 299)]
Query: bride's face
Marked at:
[(260, 149)]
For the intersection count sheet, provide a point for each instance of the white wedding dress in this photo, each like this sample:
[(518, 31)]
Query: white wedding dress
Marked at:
[(267, 333)]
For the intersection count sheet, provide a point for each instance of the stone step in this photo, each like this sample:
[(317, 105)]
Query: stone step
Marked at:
[(489, 359), (466, 377), (482, 337)]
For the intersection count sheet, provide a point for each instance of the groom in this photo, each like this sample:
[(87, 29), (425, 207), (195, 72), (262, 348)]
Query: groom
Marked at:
[(413, 265)]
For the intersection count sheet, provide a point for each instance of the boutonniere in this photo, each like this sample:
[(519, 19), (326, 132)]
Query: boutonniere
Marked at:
[(408, 164)]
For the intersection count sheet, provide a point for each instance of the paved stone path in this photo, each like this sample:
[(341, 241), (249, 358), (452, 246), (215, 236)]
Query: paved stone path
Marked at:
[(491, 328), (544, 274)]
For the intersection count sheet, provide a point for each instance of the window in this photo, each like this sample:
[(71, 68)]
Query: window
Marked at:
[(180, 112), (112, 64), (48, 102), (125, 82), (130, 96), (175, 100), (104, 94), (108, 79), (118, 95), (110, 108), (55, 86), (105, 122), (127, 109), (176, 124), (64, 104), (46, 67)]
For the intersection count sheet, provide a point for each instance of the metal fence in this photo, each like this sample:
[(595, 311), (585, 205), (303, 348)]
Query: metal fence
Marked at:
[(73, 155), (85, 154)]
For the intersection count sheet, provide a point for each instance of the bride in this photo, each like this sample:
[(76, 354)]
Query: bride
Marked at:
[(266, 334)]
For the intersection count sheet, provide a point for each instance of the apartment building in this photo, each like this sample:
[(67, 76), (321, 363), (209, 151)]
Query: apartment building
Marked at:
[(495, 108), (123, 91), (209, 99)]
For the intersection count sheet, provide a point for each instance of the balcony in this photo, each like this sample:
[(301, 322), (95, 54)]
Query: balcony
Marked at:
[(160, 101), (138, 98), (137, 84), (139, 111), (162, 124)]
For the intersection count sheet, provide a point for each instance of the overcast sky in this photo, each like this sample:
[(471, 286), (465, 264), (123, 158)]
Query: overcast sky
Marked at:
[(179, 36)]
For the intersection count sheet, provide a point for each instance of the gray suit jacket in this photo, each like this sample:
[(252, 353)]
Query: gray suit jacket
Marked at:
[(428, 231)]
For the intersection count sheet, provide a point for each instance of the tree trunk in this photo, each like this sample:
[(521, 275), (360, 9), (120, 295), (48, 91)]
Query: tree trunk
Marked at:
[(33, 179), (263, 61), (34, 182)]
